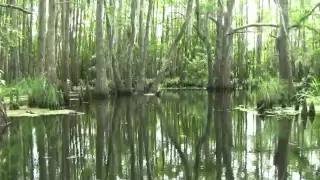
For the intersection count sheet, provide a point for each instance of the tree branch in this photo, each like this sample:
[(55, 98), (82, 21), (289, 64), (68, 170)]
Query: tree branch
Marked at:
[(201, 36), (213, 19), (305, 17), (235, 30), (313, 29), (15, 7)]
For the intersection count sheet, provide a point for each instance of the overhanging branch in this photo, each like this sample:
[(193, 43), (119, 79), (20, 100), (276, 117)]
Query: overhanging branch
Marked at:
[(235, 30), (15, 7), (305, 17)]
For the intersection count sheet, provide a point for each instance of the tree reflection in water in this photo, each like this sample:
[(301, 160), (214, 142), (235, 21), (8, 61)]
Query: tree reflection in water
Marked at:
[(181, 135)]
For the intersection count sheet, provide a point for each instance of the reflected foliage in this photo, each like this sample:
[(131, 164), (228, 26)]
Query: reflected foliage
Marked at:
[(181, 135)]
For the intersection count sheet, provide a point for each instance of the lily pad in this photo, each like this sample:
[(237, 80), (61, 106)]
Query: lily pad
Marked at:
[(25, 111)]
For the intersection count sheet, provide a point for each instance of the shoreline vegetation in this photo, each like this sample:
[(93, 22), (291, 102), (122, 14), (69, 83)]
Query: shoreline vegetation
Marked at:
[(39, 92)]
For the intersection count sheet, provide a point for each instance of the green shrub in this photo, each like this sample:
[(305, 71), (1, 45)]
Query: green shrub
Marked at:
[(42, 93), (271, 89)]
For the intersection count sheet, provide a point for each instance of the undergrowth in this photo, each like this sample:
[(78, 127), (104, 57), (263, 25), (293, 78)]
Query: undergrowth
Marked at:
[(270, 89), (39, 91), (312, 93)]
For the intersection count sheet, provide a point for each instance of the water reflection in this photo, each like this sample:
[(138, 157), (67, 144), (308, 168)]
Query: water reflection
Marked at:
[(183, 135)]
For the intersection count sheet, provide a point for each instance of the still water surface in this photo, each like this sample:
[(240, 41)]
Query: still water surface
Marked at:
[(183, 135)]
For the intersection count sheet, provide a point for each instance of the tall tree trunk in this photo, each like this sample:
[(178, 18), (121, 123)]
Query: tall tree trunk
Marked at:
[(144, 46), (101, 83), (115, 66), (65, 49), (14, 63), (284, 62), (259, 39), (39, 64), (224, 45), (51, 41), (131, 37)]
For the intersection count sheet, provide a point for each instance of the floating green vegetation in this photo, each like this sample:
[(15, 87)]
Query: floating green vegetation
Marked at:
[(25, 111)]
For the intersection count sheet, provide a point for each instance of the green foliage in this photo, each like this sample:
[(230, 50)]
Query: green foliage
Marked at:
[(172, 82), (39, 90), (42, 93), (313, 91), (196, 70), (270, 89)]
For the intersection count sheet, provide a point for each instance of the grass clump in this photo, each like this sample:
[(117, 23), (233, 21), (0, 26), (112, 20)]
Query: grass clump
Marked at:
[(271, 91), (311, 90), (41, 93)]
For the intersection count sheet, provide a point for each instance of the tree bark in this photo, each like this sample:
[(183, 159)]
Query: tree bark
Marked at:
[(131, 37), (14, 63), (51, 41), (39, 64), (284, 62), (224, 44), (144, 49), (101, 83)]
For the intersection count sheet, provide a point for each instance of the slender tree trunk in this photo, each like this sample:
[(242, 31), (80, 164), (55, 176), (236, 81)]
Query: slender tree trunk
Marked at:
[(115, 66), (144, 47), (284, 62), (14, 63), (131, 37), (65, 49), (39, 64), (51, 41), (259, 39), (101, 83)]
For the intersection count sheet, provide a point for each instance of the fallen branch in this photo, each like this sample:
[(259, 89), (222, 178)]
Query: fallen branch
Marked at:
[(305, 17), (235, 30), (15, 7)]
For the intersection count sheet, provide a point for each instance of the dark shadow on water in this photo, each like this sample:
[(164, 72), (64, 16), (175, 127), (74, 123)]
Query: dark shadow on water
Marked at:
[(188, 135)]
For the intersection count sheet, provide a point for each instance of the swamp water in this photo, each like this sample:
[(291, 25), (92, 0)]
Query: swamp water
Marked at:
[(174, 137)]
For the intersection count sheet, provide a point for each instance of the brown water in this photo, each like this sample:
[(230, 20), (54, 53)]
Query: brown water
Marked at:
[(183, 135)]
